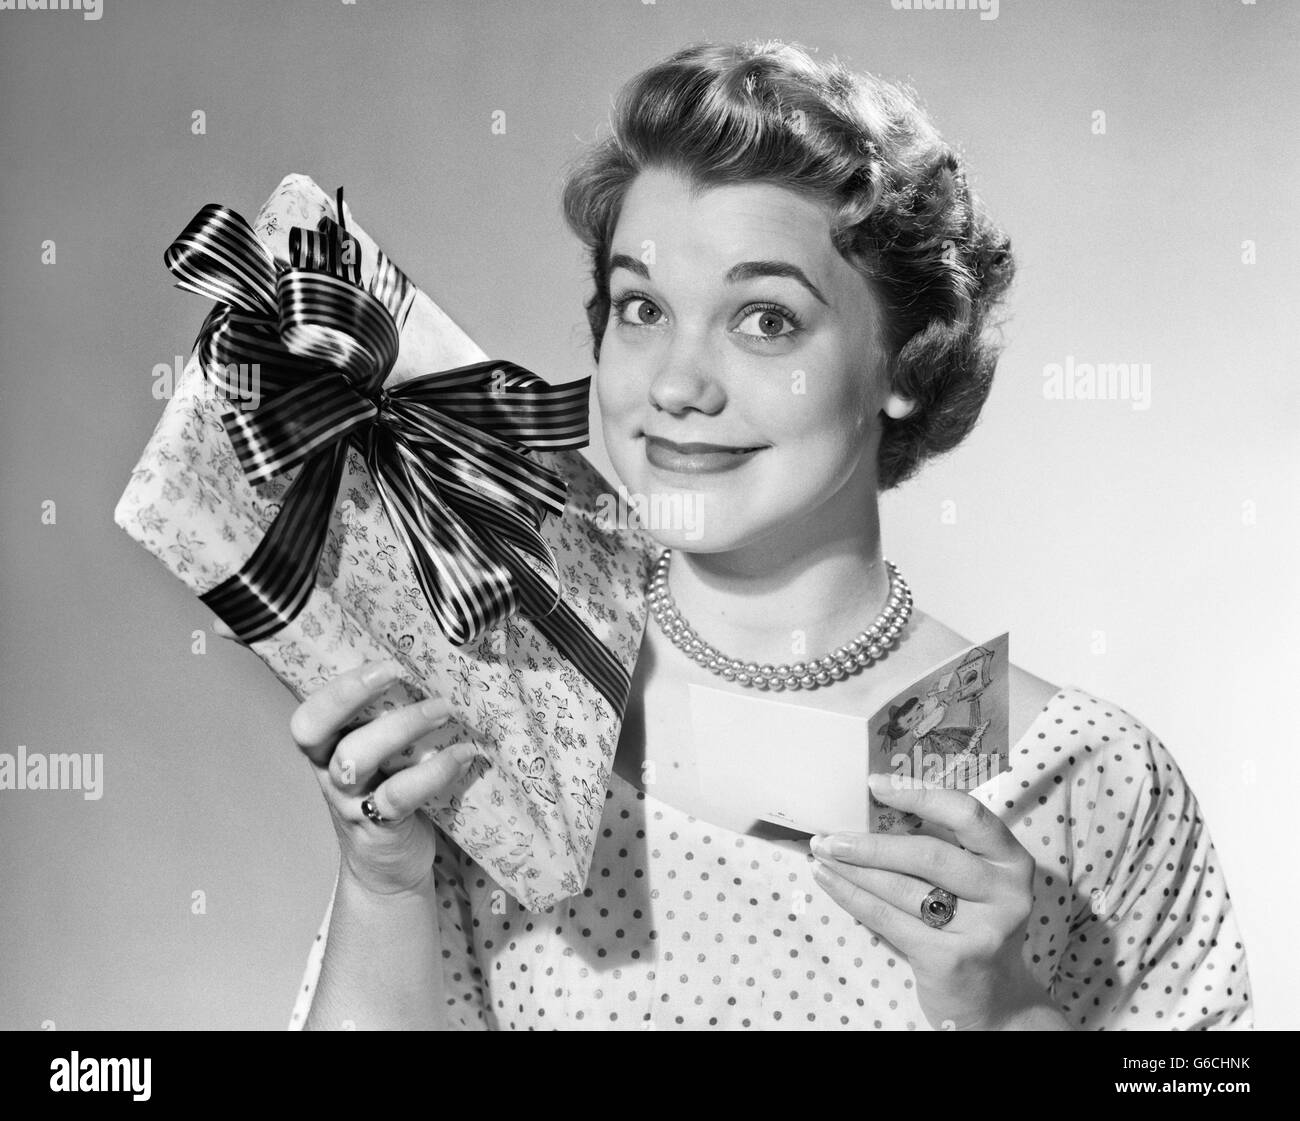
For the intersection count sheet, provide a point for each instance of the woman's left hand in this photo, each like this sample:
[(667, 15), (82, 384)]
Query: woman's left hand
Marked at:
[(970, 973)]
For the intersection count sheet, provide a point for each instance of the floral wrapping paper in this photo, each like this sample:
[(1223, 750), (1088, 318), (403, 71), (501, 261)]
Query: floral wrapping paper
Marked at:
[(528, 808)]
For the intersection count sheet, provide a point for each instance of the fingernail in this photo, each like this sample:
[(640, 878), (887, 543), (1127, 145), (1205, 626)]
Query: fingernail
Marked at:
[(381, 673), (834, 846), (463, 753), (818, 843), (435, 708), (880, 784)]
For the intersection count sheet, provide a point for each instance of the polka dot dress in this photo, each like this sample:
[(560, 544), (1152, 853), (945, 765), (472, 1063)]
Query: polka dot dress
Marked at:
[(687, 925)]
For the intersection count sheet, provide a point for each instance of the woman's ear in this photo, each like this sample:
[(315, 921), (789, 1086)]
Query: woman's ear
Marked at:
[(896, 407)]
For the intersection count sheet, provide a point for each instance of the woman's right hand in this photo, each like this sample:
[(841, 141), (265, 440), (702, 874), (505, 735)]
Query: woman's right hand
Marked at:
[(396, 856)]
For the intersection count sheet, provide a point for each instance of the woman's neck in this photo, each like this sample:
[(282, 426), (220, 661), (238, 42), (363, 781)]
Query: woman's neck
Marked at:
[(794, 595)]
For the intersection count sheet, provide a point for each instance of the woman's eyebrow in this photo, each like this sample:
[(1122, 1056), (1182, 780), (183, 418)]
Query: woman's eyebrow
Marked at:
[(748, 270), (632, 264), (745, 270)]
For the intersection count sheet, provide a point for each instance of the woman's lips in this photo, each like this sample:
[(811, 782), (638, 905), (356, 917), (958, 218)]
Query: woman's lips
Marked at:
[(695, 459)]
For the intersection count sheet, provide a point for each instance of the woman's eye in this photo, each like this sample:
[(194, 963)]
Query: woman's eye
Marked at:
[(637, 310), (768, 323)]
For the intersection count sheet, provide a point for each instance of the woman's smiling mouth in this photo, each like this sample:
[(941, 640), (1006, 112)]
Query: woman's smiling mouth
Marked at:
[(696, 458)]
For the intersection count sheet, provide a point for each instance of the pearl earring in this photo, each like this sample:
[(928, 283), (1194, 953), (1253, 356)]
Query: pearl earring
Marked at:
[(896, 408)]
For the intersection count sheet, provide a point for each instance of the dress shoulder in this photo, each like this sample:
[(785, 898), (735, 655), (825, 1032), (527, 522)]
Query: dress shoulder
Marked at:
[(1153, 940)]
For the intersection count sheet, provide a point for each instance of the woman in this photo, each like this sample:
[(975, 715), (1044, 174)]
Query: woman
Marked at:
[(793, 291)]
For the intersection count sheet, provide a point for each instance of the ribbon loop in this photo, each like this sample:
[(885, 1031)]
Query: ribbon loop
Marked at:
[(328, 250), (326, 319), (217, 255)]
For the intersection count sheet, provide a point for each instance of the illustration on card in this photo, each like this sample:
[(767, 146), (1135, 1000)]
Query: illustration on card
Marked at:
[(949, 728)]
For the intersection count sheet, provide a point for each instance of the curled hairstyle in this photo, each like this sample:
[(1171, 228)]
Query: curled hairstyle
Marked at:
[(902, 213)]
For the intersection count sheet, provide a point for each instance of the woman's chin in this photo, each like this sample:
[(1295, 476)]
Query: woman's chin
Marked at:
[(699, 513), (709, 535), (679, 518)]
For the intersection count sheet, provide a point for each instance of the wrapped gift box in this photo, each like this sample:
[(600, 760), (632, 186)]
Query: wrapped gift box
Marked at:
[(528, 808)]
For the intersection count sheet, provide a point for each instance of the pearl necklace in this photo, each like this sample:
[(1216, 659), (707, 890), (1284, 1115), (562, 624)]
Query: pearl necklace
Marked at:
[(868, 647)]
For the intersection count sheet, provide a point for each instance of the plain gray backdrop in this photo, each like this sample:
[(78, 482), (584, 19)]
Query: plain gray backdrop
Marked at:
[(1146, 554)]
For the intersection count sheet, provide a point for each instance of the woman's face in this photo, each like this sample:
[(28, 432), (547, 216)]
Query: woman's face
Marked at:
[(740, 377)]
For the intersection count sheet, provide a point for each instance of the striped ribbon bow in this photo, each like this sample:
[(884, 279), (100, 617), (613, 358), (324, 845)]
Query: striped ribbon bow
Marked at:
[(446, 450)]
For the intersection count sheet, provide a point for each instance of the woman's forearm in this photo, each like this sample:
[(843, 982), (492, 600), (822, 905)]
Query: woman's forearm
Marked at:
[(382, 965), (1040, 1017)]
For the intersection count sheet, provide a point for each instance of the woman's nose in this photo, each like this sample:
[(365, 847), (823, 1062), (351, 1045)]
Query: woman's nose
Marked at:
[(686, 379)]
